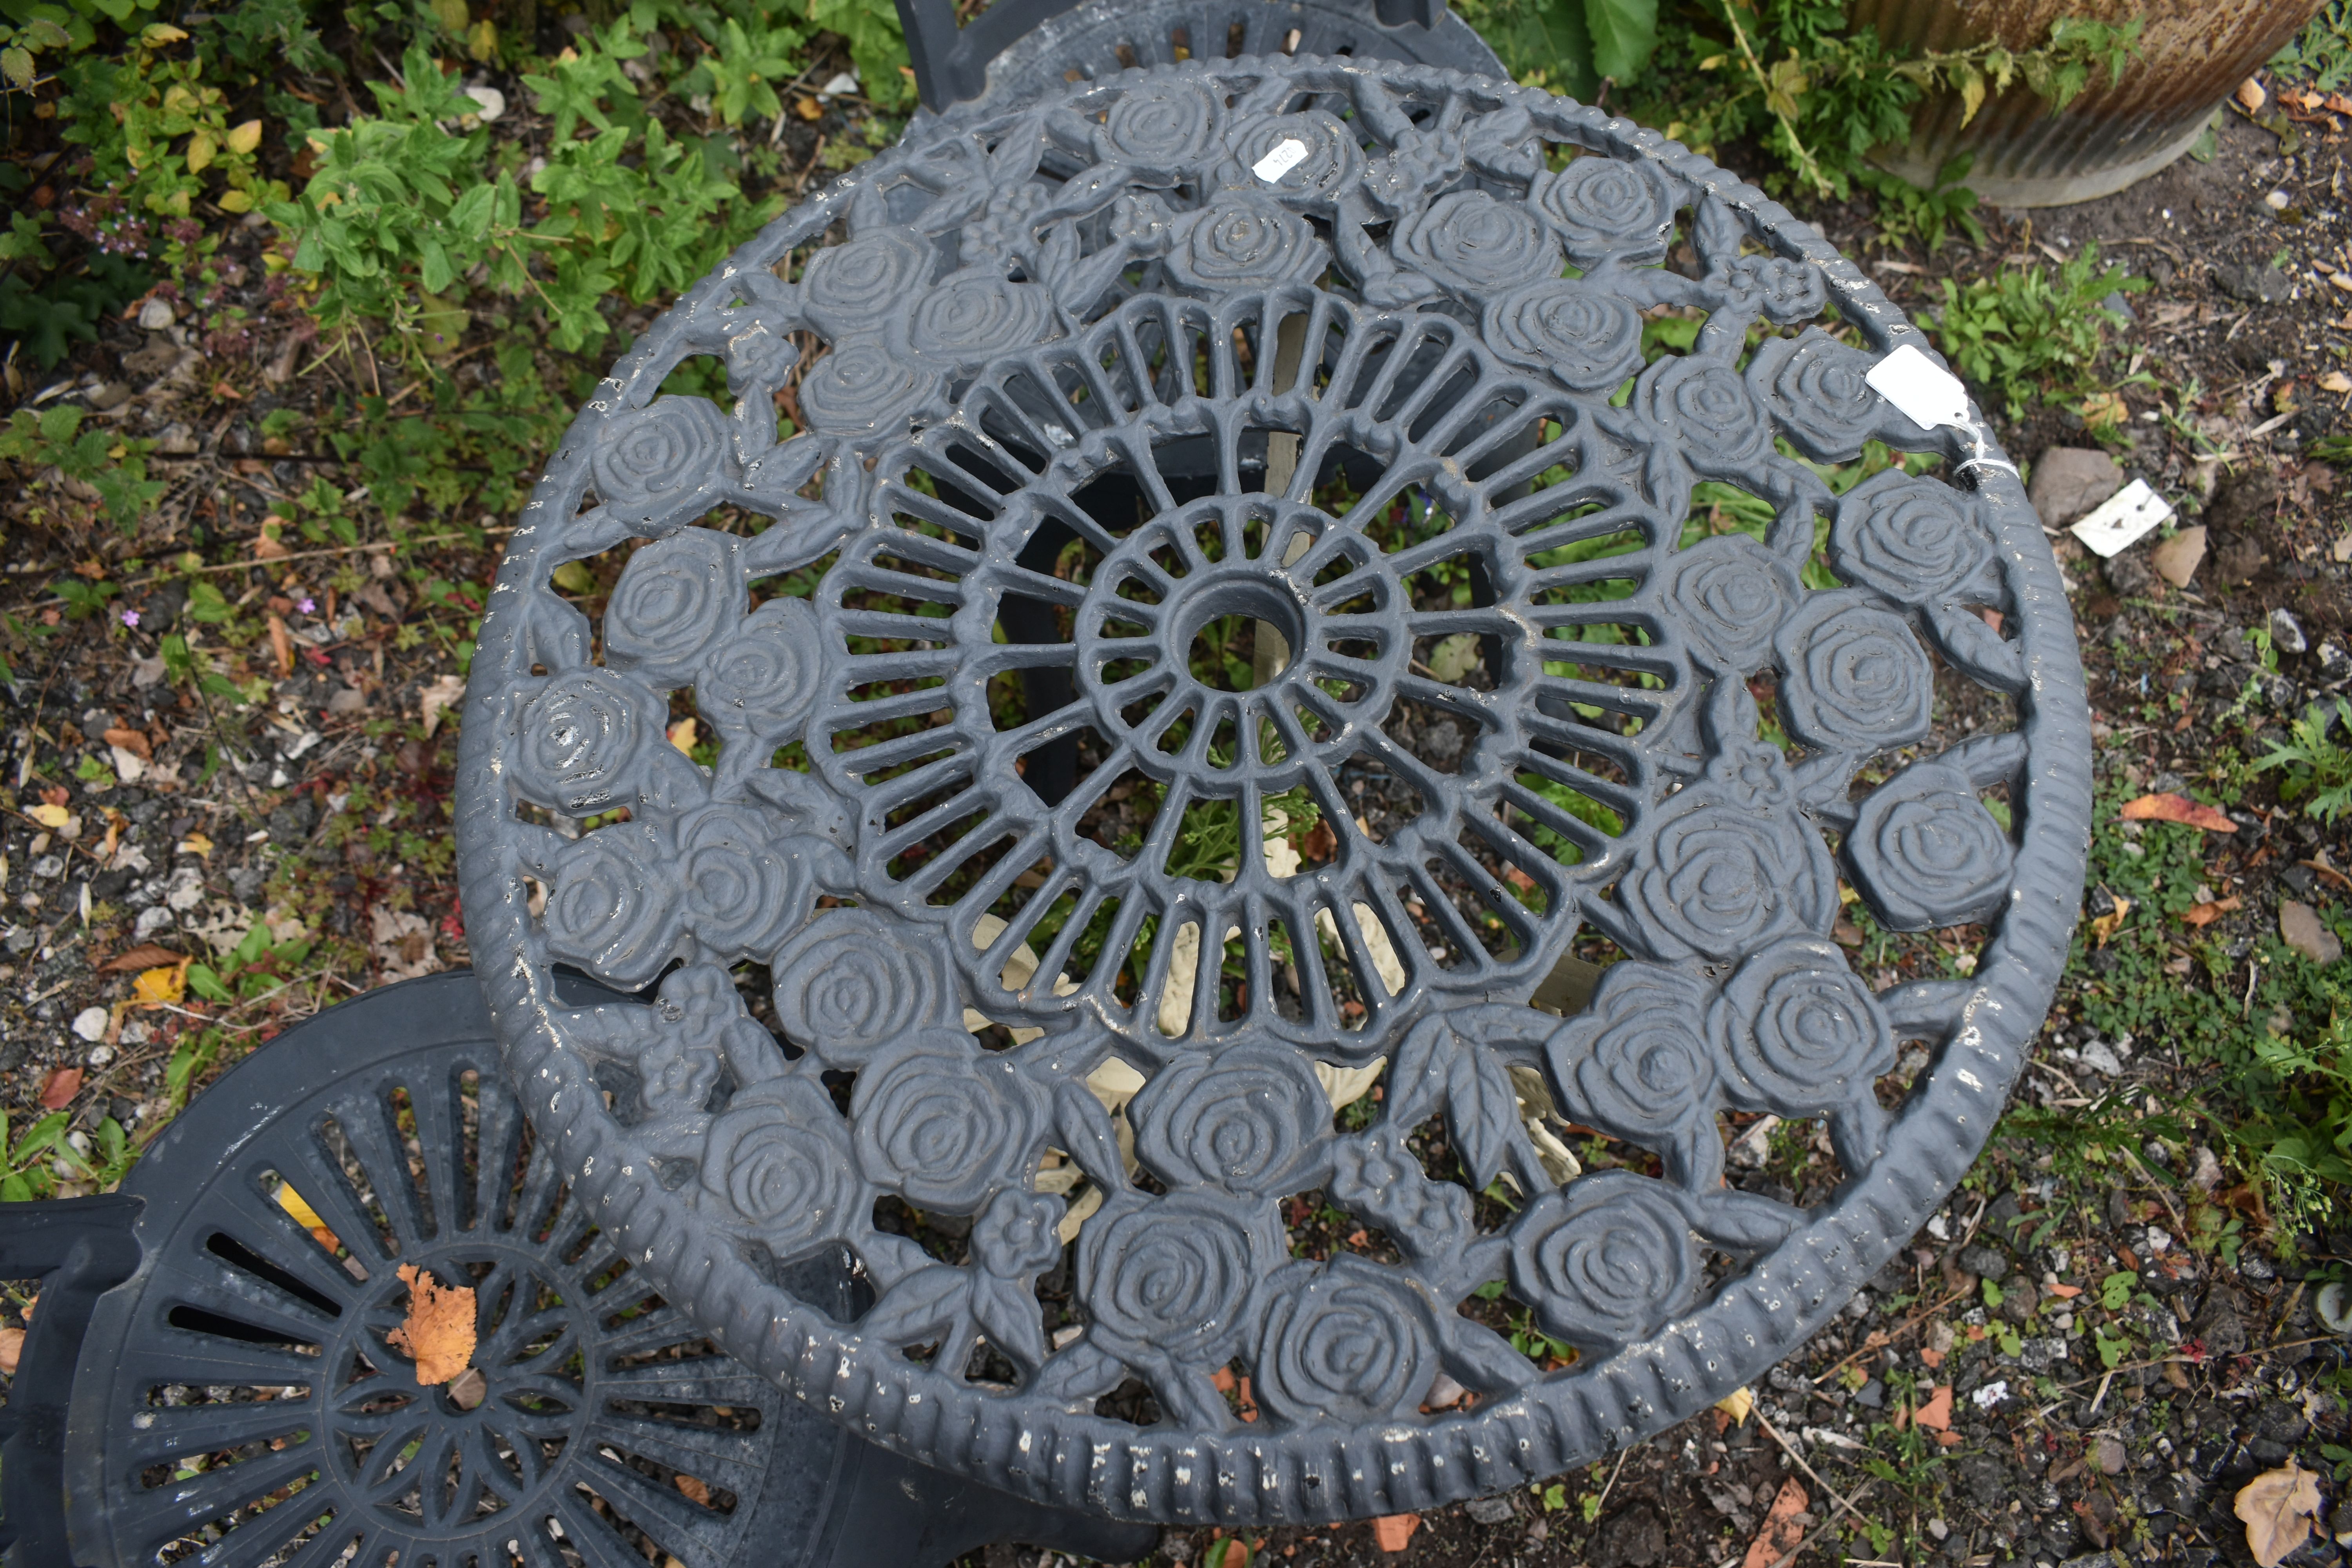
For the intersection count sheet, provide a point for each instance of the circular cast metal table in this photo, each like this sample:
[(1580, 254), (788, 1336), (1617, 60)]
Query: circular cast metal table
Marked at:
[(1075, 388)]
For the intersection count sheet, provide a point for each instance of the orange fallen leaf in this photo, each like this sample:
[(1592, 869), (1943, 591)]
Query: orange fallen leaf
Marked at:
[(2206, 914), (440, 1332), (695, 1490), (281, 643), (2065, 1292), (1931, 1355), (1393, 1532), (1320, 843), (63, 1085), (1221, 1380), (160, 986), (2277, 1506), (1782, 1532), (1936, 1414), (2177, 808), (12, 1345), (131, 740)]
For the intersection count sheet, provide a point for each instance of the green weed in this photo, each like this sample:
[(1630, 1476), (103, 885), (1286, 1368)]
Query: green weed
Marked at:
[(2030, 330), (2318, 768), (116, 469)]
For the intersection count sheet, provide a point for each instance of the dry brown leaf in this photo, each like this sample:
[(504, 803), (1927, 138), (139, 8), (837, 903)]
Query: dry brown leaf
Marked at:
[(12, 1345), (281, 643), (695, 1490), (2277, 1506), (146, 955), (1936, 1414), (1782, 1532), (2206, 914), (2177, 808), (62, 1086), (2251, 96), (2106, 926), (1393, 1532), (440, 1332), (131, 740)]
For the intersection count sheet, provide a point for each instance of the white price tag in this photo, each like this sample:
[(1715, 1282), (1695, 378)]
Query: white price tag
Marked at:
[(1927, 393), (2123, 519), (1286, 155)]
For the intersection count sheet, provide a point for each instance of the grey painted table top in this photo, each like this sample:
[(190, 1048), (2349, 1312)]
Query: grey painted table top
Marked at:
[(1073, 386)]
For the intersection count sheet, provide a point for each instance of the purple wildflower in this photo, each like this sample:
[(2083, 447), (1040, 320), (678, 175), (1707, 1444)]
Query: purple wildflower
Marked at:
[(306, 605), (129, 617)]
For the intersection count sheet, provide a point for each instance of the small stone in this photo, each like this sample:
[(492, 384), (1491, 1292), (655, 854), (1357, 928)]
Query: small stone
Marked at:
[(1490, 1509), (1983, 1261), (2253, 285), (2300, 929), (2341, 550), (347, 699), (155, 315), (489, 102), (2286, 633), (2100, 1057), (91, 1024), (110, 397), (2335, 663), (2068, 481), (176, 440), (2177, 559), (1871, 1393), (149, 672), (2112, 1458)]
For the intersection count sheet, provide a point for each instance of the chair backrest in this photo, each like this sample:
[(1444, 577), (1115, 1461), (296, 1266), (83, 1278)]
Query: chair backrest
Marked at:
[(1018, 49)]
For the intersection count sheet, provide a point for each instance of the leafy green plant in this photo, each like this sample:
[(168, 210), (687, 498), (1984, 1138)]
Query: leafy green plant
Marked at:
[(2029, 329), (2321, 53), (158, 129), (1907, 213), (1570, 45), (2318, 768), (117, 471), (877, 45)]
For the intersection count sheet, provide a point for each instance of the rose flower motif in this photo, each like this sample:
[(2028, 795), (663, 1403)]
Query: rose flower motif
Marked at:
[(1247, 1118), (862, 389), (1639, 1062), (610, 910), (853, 287), (1019, 1233), (1730, 595), (942, 1123), (663, 464), (1475, 245), (1721, 876), (741, 893), (1916, 540), (1605, 1260), (1345, 1341), (1589, 341), (967, 316), (846, 984), (675, 597), (1923, 852), (1701, 408), (779, 1158), (1804, 1029), (1160, 124), (1600, 206), (1332, 166), (1853, 678), (756, 684), (1816, 388), (1242, 240), (1171, 1279), (577, 742)]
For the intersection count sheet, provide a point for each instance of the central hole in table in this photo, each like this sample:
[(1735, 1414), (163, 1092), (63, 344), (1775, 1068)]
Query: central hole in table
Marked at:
[(1227, 629)]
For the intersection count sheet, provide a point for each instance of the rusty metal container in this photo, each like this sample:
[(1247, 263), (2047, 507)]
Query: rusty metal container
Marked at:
[(2192, 56)]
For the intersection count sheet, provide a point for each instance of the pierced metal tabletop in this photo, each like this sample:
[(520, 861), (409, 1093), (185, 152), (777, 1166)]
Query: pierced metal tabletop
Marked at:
[(1401, 368)]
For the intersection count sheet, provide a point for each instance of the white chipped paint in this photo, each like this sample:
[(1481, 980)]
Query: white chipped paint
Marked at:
[(1965, 1077)]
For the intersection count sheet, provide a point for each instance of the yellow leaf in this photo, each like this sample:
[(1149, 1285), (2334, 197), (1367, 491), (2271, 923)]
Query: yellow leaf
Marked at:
[(482, 40), (195, 844), (245, 138), (48, 815), (2277, 1506), (2003, 66), (452, 15), (1737, 1404), (235, 201), (155, 32), (1712, 62), (201, 148), (2107, 925), (304, 1215), (164, 982), (1972, 95), (681, 735), (2336, 380)]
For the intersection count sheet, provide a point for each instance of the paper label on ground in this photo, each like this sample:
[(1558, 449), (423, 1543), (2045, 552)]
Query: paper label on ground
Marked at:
[(2123, 519), (1286, 155), (1927, 393)]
